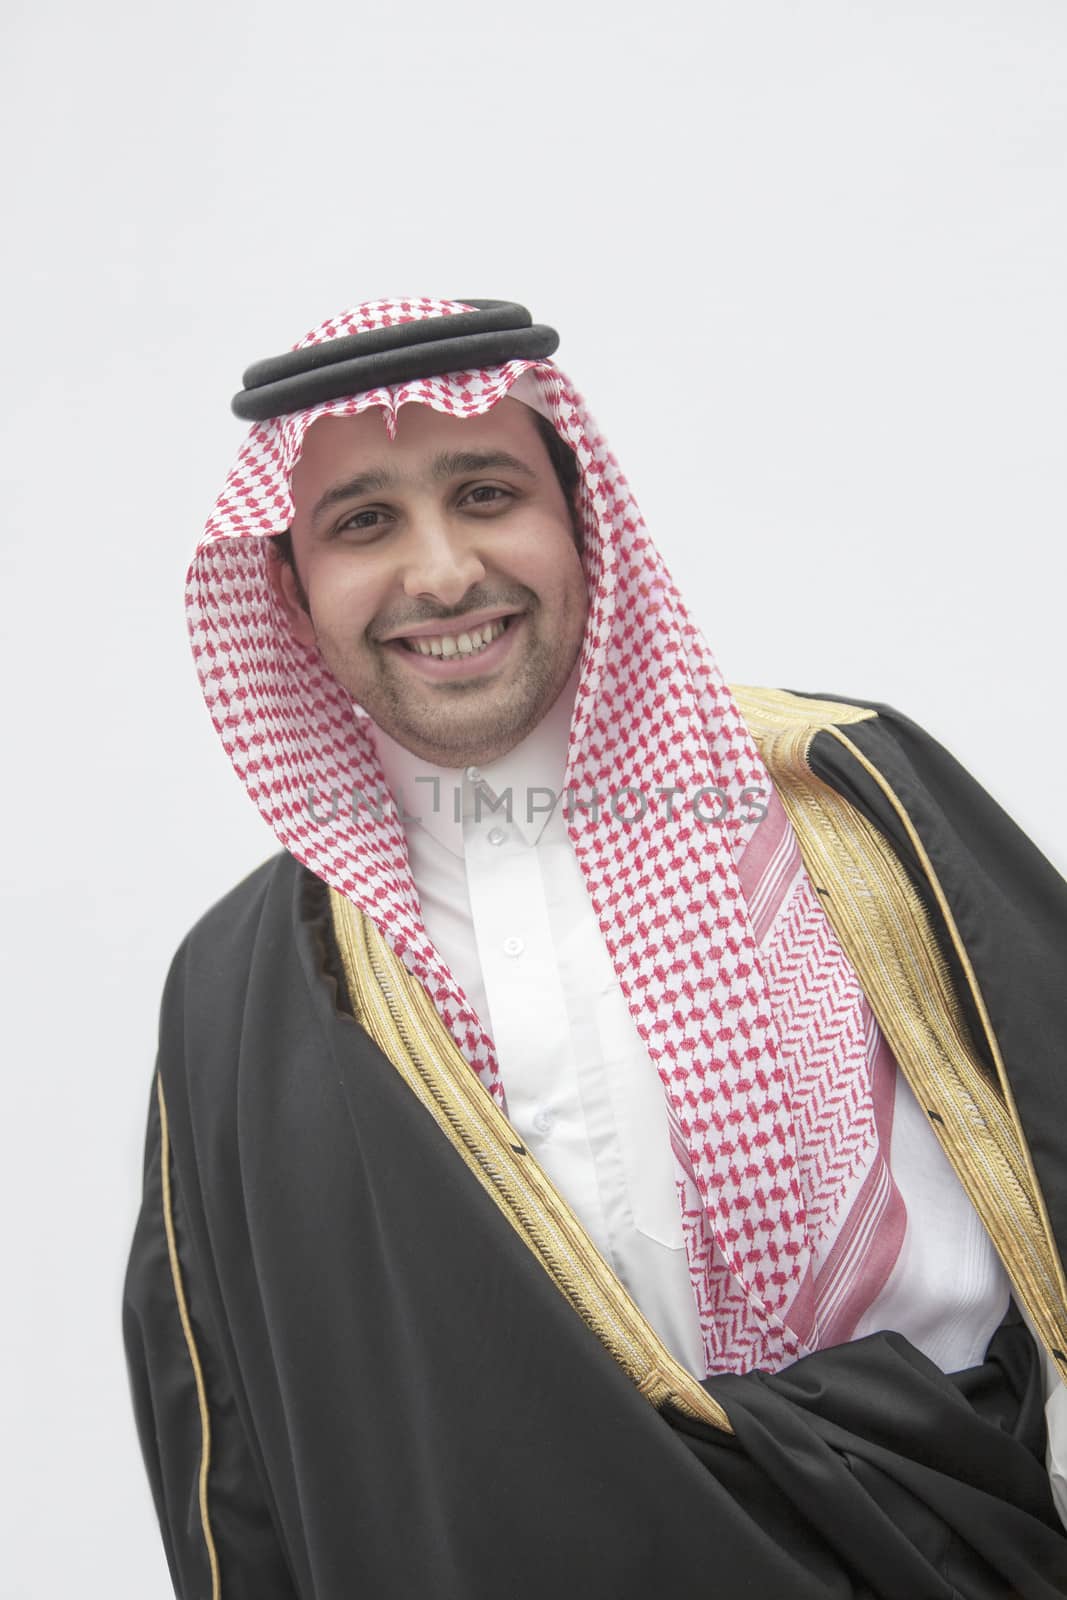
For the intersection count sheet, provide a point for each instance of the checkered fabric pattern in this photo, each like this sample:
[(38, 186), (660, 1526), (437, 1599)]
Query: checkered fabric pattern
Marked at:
[(773, 1070)]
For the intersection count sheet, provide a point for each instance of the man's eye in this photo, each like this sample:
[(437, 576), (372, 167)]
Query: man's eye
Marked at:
[(360, 522), (486, 494)]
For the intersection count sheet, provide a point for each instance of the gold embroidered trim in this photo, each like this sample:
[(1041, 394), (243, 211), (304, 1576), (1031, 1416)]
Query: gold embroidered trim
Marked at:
[(403, 1022), (1010, 1127), (769, 711), (187, 1329), (887, 934)]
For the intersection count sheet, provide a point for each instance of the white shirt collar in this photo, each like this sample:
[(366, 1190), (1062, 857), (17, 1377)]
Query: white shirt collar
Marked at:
[(438, 798)]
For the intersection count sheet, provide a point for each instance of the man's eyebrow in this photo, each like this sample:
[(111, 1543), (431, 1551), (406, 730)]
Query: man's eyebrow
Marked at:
[(448, 464), (451, 463), (351, 489)]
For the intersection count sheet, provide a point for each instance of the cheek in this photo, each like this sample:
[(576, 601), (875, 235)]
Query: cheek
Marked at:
[(556, 570), (343, 600), (575, 589)]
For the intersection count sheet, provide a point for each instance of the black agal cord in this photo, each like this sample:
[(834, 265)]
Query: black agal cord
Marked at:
[(496, 331)]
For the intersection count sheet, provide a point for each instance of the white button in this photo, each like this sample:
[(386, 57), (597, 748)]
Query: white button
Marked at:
[(474, 774), (544, 1122), (513, 947), (496, 836)]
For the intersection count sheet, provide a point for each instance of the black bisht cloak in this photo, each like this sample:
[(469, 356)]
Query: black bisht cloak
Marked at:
[(352, 1378)]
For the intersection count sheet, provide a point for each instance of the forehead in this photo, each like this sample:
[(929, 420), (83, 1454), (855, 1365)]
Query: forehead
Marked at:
[(362, 443)]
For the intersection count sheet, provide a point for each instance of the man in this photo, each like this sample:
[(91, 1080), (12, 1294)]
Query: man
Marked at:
[(616, 1145)]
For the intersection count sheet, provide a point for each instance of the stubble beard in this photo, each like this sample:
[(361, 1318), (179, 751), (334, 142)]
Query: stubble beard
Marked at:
[(455, 724)]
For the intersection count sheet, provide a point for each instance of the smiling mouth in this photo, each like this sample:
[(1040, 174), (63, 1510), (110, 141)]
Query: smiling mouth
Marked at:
[(469, 642)]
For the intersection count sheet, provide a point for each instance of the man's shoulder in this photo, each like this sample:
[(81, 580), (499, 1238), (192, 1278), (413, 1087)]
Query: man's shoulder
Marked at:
[(831, 733), (770, 711), (952, 836), (242, 958), (768, 707), (251, 920), (232, 911)]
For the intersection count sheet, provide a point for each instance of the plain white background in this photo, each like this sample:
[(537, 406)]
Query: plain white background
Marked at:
[(808, 265)]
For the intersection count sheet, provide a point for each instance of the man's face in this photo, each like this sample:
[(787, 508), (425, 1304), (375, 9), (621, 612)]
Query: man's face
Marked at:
[(444, 589)]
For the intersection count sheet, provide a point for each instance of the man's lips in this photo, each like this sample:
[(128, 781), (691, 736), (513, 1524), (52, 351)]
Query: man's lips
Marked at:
[(452, 627), (461, 664)]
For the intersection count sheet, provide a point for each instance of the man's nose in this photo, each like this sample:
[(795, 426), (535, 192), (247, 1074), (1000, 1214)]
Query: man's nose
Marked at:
[(440, 562)]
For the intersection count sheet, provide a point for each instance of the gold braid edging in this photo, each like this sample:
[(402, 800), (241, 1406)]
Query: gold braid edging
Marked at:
[(999, 1122), (402, 1020), (886, 931), (187, 1329)]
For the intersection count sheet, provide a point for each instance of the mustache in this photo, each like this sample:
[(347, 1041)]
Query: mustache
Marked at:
[(478, 598)]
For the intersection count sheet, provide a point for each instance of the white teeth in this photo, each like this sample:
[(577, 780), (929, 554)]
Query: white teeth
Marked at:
[(463, 644)]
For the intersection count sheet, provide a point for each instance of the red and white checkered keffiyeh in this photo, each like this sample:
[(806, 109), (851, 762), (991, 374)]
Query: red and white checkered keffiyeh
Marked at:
[(779, 1086)]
